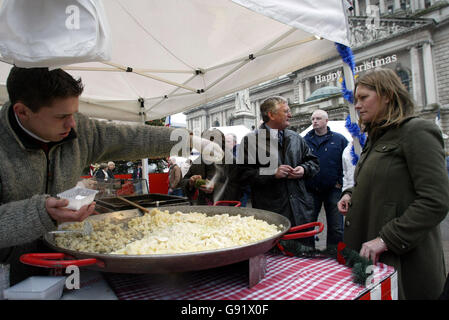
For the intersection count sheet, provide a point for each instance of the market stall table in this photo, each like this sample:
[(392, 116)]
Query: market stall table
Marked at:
[(286, 278)]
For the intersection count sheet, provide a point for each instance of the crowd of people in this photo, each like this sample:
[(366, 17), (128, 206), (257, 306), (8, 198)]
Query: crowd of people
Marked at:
[(388, 209)]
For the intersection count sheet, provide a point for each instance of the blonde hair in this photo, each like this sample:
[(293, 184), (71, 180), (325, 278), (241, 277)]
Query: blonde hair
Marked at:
[(388, 85)]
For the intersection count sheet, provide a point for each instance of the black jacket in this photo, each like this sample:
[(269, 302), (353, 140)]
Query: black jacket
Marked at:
[(100, 176), (288, 197), (226, 183)]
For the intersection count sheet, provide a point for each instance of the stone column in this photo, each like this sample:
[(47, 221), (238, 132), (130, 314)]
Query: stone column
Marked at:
[(196, 126), (429, 74), (258, 116), (307, 88), (414, 5), (397, 5), (382, 8), (416, 76), (357, 8), (421, 5), (300, 91), (203, 122), (367, 3)]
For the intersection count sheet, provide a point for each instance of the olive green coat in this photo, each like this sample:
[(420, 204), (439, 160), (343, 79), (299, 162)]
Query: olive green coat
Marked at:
[(401, 194)]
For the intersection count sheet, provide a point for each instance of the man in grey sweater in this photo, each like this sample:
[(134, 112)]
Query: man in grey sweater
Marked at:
[(44, 146)]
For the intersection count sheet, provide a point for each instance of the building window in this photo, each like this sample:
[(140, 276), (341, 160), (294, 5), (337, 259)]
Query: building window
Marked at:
[(404, 4), (404, 75)]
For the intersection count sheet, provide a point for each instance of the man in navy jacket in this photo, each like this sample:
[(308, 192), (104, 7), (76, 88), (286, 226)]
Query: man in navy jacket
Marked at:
[(325, 187)]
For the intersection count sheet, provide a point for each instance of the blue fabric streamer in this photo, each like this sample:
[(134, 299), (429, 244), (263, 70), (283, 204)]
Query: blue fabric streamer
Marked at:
[(346, 55), (354, 156), (354, 130), (348, 58), (347, 94)]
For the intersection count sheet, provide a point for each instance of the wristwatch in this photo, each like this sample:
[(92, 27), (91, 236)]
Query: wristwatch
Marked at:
[(383, 242)]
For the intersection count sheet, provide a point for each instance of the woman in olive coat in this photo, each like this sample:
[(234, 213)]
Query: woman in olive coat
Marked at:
[(401, 190)]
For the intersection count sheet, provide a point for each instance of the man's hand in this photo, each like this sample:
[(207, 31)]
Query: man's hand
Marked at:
[(343, 204), (283, 171), (296, 173), (56, 210), (207, 188), (193, 179), (373, 249)]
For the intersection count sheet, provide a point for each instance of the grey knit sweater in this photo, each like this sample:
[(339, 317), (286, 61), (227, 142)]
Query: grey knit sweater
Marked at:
[(25, 180)]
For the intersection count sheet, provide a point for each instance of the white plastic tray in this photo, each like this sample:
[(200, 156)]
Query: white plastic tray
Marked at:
[(36, 288), (78, 197)]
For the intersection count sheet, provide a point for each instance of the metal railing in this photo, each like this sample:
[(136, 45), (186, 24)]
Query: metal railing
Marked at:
[(120, 187)]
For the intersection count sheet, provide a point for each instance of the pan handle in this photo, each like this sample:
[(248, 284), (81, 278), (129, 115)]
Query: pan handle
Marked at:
[(227, 202), (303, 234), (49, 260)]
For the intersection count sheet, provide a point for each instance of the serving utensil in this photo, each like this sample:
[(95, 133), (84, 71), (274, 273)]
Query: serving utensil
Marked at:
[(134, 204), (86, 231)]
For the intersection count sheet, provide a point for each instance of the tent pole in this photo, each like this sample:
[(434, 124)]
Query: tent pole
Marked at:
[(263, 52), (115, 69), (145, 160), (268, 46), (128, 69), (171, 94), (349, 80)]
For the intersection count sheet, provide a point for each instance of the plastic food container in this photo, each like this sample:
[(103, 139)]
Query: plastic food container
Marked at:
[(36, 288), (78, 197)]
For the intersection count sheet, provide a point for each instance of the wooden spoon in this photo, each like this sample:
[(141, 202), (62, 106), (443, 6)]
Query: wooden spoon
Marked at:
[(134, 204)]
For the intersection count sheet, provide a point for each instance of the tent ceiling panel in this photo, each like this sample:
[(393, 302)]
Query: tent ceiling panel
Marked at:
[(165, 42)]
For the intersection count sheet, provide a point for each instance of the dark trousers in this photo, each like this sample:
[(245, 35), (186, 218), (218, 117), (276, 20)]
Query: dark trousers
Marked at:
[(445, 294), (334, 219)]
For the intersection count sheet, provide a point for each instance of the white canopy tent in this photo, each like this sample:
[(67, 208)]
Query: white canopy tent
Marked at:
[(170, 56), (173, 55)]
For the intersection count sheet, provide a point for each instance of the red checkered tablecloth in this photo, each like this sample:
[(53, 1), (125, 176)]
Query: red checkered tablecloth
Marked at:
[(286, 278)]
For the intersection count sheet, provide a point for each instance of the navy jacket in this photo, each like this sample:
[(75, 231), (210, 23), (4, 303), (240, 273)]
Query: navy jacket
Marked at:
[(329, 152)]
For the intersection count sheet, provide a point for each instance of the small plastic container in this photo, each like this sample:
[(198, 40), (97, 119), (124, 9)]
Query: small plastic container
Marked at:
[(36, 288), (78, 197)]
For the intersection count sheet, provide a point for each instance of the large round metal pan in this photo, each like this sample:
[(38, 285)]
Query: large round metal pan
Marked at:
[(181, 262)]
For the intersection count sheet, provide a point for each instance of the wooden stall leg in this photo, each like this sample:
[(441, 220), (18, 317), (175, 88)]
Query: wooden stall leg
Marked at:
[(257, 269)]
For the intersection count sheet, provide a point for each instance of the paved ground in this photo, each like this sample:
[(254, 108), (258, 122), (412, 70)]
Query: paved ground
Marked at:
[(321, 243)]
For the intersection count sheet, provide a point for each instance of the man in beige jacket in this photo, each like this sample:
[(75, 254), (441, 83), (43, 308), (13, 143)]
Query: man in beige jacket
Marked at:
[(44, 146)]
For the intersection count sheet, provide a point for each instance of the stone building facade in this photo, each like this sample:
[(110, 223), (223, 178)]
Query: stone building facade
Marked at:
[(408, 36)]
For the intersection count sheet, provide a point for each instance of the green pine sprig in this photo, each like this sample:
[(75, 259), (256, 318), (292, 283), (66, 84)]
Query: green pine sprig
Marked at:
[(353, 260), (200, 182)]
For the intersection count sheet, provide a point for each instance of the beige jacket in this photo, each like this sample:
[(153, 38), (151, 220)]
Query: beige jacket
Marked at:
[(27, 176)]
